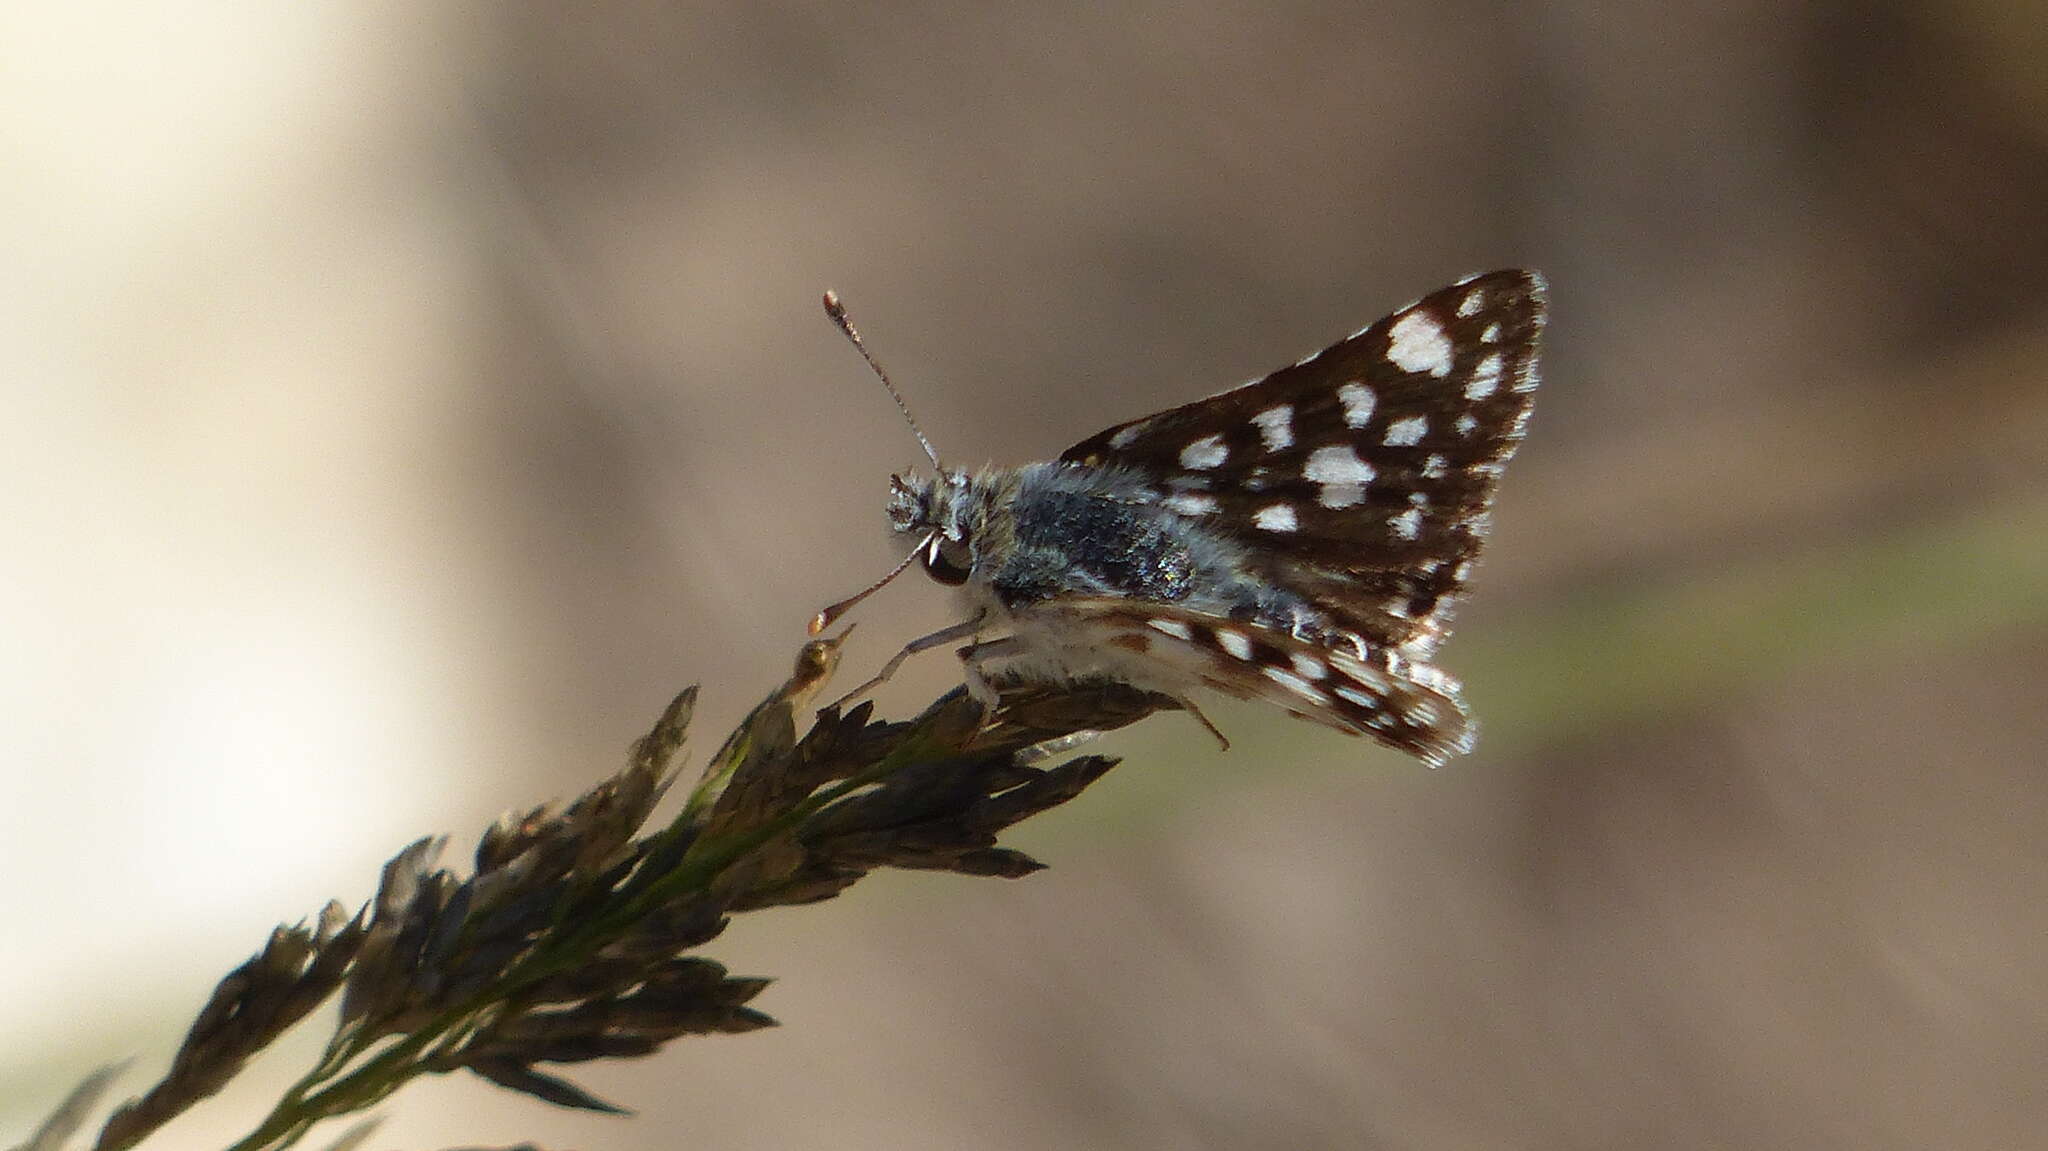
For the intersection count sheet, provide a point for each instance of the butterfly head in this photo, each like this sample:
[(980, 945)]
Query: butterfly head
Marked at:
[(937, 508)]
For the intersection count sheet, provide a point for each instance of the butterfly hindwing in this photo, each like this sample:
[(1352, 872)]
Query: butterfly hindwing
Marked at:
[(1410, 706)]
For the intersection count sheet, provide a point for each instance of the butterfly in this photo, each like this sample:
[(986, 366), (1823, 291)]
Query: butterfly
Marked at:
[(1299, 540)]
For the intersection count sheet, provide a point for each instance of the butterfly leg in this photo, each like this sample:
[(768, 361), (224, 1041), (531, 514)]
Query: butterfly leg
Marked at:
[(1188, 705), (973, 656), (961, 630)]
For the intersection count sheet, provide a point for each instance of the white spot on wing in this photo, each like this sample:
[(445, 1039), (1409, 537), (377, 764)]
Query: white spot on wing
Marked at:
[(1276, 518), (1408, 524), (1435, 467), (1234, 642), (1205, 453), (1127, 436), (1491, 335), (1419, 345), (1341, 473), (1191, 503), (1172, 627), (1337, 464), (1467, 425), (1339, 496), (1358, 401), (1294, 683), (1276, 426), (1434, 678), (1309, 667), (1485, 378), (1407, 431), (1360, 698), (1473, 301)]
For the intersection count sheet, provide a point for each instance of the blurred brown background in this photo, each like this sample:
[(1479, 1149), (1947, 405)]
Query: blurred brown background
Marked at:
[(402, 401)]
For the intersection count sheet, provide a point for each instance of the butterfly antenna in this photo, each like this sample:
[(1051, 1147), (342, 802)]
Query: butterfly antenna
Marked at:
[(825, 618), (837, 310)]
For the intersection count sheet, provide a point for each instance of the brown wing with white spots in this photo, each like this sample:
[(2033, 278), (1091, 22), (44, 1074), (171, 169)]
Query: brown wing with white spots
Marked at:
[(1361, 476), (1410, 706)]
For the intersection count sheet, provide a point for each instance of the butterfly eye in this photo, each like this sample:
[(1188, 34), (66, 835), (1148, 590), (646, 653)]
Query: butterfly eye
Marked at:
[(947, 560)]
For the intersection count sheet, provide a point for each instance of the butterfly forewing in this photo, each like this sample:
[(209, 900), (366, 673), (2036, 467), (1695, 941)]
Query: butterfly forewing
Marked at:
[(1362, 475)]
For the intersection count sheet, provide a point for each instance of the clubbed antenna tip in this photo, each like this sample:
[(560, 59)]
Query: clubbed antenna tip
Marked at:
[(836, 308)]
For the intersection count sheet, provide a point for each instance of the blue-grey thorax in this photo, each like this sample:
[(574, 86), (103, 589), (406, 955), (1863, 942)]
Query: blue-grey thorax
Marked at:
[(1050, 529)]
